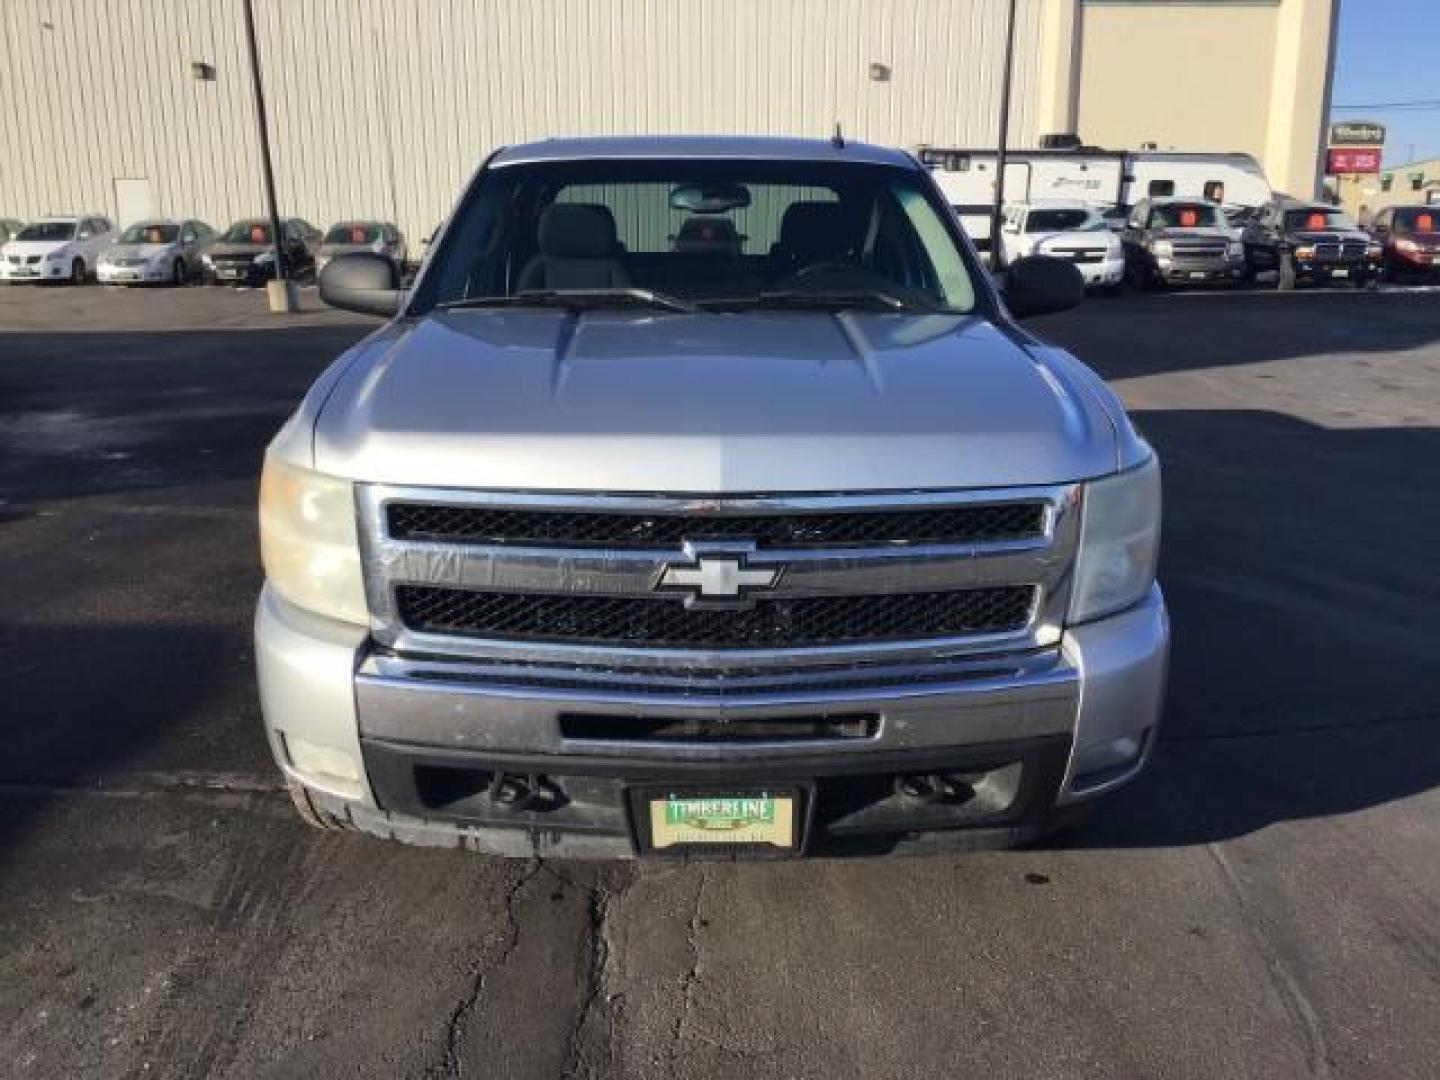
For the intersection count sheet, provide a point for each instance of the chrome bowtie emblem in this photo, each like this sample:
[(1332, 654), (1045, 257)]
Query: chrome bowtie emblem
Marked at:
[(718, 580)]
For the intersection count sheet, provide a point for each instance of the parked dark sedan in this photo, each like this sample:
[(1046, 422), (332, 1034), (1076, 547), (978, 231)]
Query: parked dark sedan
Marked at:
[(1411, 241), (1300, 241), (245, 252)]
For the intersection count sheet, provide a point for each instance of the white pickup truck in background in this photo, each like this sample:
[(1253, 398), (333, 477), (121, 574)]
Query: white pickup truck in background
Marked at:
[(1065, 229)]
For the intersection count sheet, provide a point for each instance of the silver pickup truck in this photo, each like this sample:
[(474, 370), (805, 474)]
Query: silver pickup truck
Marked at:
[(702, 497)]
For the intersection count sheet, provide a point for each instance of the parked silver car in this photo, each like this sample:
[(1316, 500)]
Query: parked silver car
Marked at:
[(161, 251), (604, 547), (351, 237)]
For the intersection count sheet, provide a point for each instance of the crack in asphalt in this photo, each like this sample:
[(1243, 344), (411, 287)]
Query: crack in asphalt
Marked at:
[(692, 975), (1297, 1002), (450, 1064), (597, 978)]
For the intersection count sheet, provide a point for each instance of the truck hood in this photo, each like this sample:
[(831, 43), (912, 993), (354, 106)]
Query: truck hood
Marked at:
[(713, 403), (1101, 238), (1320, 236), (1199, 232)]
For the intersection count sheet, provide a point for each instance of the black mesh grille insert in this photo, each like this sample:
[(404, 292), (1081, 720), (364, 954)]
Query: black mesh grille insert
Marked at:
[(549, 528), (780, 623)]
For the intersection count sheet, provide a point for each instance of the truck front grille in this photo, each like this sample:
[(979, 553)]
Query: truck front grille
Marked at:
[(641, 581), (438, 523), (664, 622)]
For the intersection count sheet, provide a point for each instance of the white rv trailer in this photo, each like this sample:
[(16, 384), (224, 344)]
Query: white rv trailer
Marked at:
[(1111, 180)]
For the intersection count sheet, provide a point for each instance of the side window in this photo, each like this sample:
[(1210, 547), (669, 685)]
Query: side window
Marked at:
[(87, 229), (1161, 189), (1138, 214), (188, 234)]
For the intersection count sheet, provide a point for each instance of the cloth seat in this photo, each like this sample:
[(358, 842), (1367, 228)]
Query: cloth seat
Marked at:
[(577, 251)]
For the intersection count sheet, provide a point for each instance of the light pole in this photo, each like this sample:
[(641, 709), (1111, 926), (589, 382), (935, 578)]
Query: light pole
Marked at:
[(998, 207), (282, 294)]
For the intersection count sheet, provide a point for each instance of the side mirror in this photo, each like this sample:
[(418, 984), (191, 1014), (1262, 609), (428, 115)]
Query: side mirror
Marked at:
[(1039, 284), (363, 282)]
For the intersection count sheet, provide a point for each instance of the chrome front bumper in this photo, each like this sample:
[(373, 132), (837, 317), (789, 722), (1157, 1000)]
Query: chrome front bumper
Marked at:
[(348, 721)]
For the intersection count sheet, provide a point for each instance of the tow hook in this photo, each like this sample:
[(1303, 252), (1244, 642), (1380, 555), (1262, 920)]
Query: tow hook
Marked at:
[(530, 792), (933, 788)]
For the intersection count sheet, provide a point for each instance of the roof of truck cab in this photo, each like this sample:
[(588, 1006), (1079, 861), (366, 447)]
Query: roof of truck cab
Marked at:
[(699, 147)]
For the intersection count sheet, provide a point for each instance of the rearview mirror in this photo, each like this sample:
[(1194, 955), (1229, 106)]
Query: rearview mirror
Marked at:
[(1039, 285), (709, 198), (363, 282)]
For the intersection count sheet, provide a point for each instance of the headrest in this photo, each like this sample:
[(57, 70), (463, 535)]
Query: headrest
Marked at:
[(357, 234), (577, 231), (257, 234), (1189, 217), (1425, 223), (1315, 221), (154, 236), (816, 230)]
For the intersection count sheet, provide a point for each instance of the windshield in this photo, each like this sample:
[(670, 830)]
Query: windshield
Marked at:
[(1187, 216), (1317, 218), (721, 233), (1416, 221), (248, 232), (151, 232), (1067, 220), (48, 230), (353, 233)]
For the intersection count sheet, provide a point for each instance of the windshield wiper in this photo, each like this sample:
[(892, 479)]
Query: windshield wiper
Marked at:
[(576, 300), (826, 300)]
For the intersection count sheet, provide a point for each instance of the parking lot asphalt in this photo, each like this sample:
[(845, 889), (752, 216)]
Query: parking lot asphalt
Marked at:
[(1264, 902)]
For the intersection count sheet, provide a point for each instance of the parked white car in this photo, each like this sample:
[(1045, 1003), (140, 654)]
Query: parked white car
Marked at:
[(58, 247), (162, 251), (1065, 229)]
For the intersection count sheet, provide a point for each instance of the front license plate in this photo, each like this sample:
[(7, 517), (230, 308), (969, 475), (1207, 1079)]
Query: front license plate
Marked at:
[(760, 818), (1198, 275)]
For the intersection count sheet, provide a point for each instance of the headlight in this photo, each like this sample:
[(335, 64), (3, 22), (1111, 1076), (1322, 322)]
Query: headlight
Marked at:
[(265, 258), (1163, 247), (208, 261), (1410, 247), (308, 542), (1304, 251), (1119, 542)]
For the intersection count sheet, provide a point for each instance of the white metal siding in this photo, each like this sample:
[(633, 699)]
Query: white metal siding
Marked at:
[(383, 108)]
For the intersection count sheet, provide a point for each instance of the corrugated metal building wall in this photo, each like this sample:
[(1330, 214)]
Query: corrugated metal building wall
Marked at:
[(383, 107)]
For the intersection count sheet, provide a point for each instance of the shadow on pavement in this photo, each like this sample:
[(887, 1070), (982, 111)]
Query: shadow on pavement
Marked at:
[(1298, 562)]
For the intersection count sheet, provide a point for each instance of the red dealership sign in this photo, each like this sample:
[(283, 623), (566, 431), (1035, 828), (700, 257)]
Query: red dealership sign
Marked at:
[(1352, 160)]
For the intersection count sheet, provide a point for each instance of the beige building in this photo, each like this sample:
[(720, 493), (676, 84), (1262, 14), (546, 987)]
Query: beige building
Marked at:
[(1415, 184), (383, 107)]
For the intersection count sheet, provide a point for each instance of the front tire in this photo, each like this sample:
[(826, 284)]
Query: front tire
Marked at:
[(311, 812), (77, 272), (177, 273)]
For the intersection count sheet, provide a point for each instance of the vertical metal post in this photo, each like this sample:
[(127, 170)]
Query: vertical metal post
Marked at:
[(264, 128), (998, 208)]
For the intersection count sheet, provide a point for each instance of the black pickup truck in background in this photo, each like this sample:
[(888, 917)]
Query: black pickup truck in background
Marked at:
[(1314, 242)]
